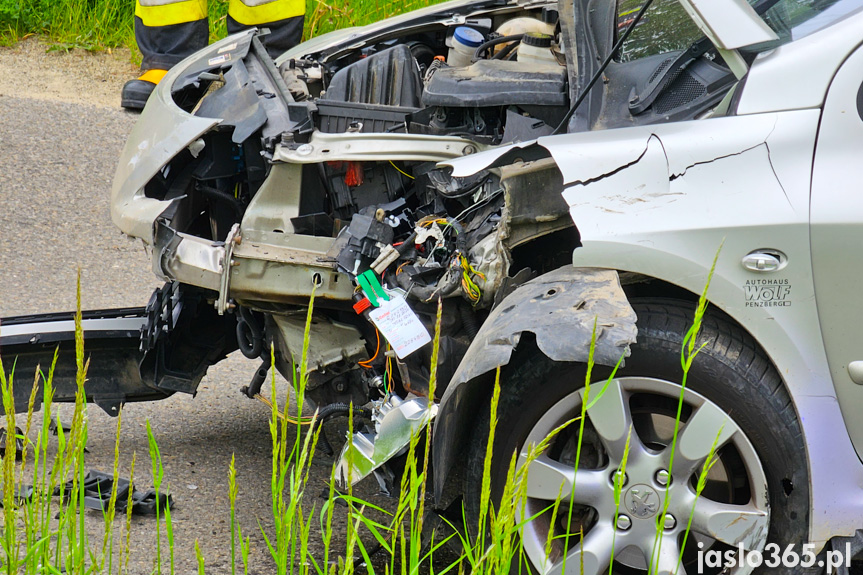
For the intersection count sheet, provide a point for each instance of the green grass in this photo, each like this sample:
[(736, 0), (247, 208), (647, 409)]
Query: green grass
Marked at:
[(47, 534), (96, 25)]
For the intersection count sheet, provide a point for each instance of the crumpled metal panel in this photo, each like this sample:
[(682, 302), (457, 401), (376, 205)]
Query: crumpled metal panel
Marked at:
[(396, 422), (162, 131), (560, 309)]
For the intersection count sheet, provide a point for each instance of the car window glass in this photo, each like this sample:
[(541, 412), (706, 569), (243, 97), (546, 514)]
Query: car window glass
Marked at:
[(665, 27), (794, 19)]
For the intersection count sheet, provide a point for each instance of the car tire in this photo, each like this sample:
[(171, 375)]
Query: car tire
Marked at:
[(732, 388)]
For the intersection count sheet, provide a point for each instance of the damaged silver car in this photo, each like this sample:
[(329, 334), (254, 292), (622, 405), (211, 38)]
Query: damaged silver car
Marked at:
[(539, 170)]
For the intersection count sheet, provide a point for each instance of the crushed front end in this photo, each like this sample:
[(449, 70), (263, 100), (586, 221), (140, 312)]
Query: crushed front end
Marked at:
[(262, 184)]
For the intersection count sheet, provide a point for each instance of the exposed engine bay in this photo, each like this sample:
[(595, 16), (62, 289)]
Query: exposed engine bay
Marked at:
[(280, 168)]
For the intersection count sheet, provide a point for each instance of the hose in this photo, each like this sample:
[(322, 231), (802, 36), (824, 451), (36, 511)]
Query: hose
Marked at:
[(332, 410), (250, 335), (477, 55), (468, 320), (254, 387), (506, 50)]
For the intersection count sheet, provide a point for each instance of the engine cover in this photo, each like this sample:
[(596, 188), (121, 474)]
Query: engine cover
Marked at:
[(497, 83), (388, 78)]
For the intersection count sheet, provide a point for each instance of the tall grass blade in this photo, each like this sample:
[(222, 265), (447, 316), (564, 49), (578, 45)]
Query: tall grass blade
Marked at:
[(688, 354)]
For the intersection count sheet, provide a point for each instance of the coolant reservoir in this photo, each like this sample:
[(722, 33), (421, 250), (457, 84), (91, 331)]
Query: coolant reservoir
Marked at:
[(465, 41), (527, 25), (536, 48)]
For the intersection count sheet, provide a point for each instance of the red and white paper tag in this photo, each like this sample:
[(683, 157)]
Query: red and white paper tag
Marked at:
[(400, 326)]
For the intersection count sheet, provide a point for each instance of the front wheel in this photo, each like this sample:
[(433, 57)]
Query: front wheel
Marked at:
[(756, 492)]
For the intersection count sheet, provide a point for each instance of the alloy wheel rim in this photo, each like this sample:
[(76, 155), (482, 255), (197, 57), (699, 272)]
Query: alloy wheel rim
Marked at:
[(716, 524)]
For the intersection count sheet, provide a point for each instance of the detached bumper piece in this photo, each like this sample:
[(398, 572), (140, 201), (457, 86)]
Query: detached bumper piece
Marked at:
[(135, 354), (112, 345)]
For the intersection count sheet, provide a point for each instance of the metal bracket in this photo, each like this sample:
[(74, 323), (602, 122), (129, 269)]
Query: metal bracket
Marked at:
[(362, 147), (222, 304)]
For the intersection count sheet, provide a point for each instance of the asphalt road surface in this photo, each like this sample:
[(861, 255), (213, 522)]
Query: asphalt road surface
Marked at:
[(57, 160)]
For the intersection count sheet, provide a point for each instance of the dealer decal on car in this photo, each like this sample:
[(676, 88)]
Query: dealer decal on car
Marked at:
[(767, 293)]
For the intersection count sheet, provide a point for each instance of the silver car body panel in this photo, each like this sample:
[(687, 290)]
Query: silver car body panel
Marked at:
[(837, 233), (744, 202), (162, 131), (796, 75), (659, 201)]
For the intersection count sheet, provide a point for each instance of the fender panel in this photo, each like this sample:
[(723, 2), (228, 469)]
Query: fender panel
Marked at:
[(744, 183), (560, 308), (656, 219)]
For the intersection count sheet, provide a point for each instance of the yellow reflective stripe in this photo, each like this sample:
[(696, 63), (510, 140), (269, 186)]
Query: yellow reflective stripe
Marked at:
[(265, 13), (170, 14), (153, 76)]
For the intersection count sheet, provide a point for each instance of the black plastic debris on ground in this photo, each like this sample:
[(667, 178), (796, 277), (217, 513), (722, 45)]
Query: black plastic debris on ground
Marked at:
[(97, 494), (19, 443), (23, 494), (55, 425)]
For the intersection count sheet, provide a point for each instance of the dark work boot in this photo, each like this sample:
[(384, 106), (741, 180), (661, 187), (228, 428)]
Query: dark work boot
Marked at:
[(136, 92)]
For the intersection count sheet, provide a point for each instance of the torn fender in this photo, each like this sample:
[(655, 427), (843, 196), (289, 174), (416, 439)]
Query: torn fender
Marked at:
[(560, 309)]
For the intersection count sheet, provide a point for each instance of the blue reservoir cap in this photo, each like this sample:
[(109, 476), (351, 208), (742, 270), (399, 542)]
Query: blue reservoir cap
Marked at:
[(468, 36)]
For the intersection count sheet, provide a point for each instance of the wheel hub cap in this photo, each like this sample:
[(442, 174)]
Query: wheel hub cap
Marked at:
[(642, 501)]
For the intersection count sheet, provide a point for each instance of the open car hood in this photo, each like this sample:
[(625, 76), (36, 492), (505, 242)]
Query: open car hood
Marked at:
[(730, 24)]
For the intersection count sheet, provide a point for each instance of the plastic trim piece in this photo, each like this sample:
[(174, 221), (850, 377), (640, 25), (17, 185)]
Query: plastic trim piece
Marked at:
[(561, 308)]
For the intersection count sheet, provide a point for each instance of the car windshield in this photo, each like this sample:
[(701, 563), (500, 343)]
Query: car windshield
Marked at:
[(667, 27), (664, 28), (795, 19)]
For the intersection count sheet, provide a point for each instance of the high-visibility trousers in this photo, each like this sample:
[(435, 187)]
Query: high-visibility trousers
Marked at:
[(167, 31)]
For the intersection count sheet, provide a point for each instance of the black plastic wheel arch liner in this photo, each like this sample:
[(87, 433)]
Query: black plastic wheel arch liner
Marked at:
[(560, 308)]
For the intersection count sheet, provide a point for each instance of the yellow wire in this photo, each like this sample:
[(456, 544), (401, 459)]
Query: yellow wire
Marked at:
[(389, 371), (402, 172), (290, 419), (471, 289), (439, 221)]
